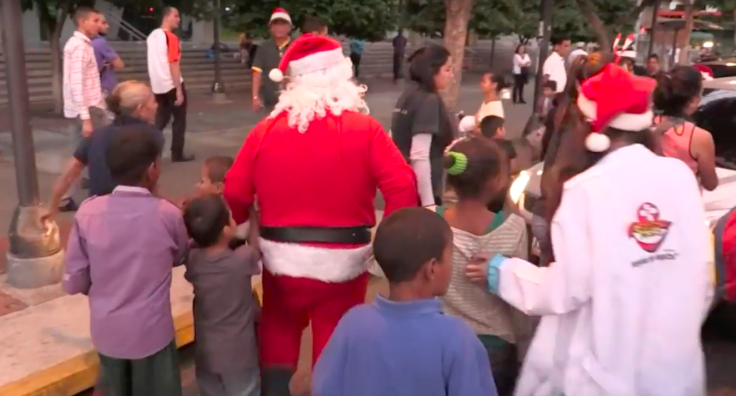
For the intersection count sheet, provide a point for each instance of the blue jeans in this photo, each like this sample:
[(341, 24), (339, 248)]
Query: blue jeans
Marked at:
[(100, 118)]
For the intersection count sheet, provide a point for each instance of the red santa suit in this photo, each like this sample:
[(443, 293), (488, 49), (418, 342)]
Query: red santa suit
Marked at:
[(315, 164)]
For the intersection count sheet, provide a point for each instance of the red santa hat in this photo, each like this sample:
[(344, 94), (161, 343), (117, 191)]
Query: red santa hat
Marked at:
[(281, 14), (309, 53), (618, 99), (705, 71)]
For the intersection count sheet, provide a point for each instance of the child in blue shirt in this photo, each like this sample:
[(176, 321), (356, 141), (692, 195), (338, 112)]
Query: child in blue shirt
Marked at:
[(404, 344)]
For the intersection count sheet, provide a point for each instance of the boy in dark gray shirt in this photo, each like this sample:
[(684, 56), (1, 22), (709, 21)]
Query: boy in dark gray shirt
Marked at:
[(224, 306)]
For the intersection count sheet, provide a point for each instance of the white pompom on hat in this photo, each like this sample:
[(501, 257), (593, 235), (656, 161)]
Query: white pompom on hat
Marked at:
[(467, 124), (307, 54), (617, 99)]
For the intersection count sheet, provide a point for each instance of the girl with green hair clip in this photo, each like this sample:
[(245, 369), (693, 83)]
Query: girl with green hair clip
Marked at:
[(478, 170)]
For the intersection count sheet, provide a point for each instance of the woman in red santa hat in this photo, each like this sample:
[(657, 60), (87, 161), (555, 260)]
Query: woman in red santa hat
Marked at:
[(622, 305), (315, 164)]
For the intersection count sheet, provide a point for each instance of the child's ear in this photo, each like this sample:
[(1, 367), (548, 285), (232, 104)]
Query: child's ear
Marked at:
[(430, 269)]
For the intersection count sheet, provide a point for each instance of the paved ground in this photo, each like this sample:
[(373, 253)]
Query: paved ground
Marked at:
[(220, 129)]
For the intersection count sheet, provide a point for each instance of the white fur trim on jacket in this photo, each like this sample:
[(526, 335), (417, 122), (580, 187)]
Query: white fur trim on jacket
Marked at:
[(323, 264), (316, 62), (280, 15)]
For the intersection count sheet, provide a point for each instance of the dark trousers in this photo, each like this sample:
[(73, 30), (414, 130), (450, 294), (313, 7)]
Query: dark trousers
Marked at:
[(355, 58), (398, 62), (518, 91), (155, 375), (504, 363), (167, 109)]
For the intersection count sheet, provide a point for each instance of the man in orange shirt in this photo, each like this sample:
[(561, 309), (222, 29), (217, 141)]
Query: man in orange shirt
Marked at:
[(167, 83)]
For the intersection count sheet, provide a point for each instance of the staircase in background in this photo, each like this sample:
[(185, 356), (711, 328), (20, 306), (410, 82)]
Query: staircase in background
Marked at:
[(198, 70)]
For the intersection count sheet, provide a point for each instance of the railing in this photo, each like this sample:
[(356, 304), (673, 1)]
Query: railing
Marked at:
[(134, 33)]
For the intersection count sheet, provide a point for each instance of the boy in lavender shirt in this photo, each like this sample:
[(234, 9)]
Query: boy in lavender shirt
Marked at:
[(121, 251), (224, 308)]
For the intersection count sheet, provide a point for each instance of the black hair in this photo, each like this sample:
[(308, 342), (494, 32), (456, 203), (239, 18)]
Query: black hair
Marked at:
[(217, 167), (425, 63), (83, 13), (130, 152), (676, 88), (653, 56), (166, 11), (484, 159), (551, 84), (407, 239), (313, 24), (558, 39), (490, 125), (498, 79), (518, 47), (205, 218)]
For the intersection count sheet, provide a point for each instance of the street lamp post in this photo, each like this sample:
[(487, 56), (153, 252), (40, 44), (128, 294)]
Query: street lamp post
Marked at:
[(545, 31), (35, 257), (218, 88)]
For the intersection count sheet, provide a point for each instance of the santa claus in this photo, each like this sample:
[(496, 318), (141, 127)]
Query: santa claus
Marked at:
[(315, 164)]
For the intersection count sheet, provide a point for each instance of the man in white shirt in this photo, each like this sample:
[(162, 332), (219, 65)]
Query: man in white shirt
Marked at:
[(164, 70), (554, 67), (83, 100)]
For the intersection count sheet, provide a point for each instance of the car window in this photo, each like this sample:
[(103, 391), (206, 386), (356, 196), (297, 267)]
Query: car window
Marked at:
[(718, 116)]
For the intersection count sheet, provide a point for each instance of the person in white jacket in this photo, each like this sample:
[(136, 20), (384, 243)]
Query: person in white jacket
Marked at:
[(622, 305)]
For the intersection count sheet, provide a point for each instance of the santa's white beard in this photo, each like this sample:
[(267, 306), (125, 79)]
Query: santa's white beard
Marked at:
[(313, 94)]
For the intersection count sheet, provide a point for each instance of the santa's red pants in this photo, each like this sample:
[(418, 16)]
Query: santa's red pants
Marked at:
[(290, 304)]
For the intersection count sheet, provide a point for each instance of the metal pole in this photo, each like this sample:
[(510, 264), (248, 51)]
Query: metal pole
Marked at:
[(35, 257), (218, 88), (17, 83), (653, 28), (545, 31)]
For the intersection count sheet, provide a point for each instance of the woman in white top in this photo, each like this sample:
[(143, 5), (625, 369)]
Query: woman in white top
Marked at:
[(522, 62)]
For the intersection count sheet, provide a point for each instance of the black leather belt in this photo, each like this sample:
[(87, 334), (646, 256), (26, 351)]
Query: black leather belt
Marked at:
[(340, 235)]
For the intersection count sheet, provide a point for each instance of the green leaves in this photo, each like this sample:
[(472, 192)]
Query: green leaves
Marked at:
[(363, 19)]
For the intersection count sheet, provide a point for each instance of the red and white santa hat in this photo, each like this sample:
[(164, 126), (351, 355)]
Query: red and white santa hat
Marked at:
[(705, 71), (617, 99), (307, 54), (280, 14)]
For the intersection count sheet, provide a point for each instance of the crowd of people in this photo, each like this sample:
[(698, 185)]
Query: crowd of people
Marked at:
[(466, 314)]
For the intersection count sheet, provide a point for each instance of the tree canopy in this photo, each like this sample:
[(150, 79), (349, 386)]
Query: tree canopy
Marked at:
[(364, 19), (491, 18)]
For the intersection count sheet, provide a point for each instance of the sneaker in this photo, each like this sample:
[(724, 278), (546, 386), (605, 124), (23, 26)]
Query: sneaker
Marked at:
[(68, 206)]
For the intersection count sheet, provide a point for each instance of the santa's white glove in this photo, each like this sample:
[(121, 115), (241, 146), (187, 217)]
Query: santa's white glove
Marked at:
[(241, 231), (467, 124)]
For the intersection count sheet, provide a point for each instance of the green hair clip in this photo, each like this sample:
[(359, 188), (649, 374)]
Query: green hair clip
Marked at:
[(459, 165)]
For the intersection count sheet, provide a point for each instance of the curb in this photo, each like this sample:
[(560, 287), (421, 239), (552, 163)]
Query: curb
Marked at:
[(80, 373)]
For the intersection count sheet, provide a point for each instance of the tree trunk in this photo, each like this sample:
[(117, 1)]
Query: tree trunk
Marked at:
[(599, 28), (456, 32), (493, 50), (689, 20)]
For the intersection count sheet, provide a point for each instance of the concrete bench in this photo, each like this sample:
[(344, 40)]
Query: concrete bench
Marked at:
[(46, 349)]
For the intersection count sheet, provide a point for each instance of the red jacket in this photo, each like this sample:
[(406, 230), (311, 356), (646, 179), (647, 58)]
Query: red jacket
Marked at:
[(325, 177)]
